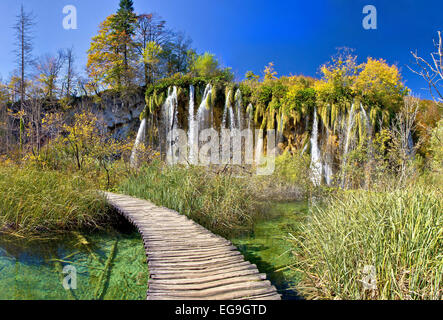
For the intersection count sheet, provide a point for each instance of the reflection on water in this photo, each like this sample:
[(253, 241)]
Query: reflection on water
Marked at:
[(268, 248), (109, 265)]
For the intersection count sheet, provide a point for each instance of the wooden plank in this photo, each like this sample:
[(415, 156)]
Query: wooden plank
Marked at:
[(163, 272), (156, 285), (211, 278), (156, 248), (192, 253), (196, 265), (221, 293), (196, 260), (194, 257)]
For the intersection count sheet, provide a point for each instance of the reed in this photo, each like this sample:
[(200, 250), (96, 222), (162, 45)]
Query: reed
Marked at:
[(35, 202), (220, 202), (398, 233)]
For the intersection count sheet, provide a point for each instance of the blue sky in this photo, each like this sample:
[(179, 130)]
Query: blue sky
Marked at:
[(298, 36)]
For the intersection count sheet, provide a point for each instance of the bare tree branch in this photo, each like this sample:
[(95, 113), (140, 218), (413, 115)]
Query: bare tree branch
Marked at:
[(432, 72)]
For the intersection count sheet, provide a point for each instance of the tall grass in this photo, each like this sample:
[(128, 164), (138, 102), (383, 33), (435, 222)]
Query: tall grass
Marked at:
[(220, 202), (37, 201), (399, 233)]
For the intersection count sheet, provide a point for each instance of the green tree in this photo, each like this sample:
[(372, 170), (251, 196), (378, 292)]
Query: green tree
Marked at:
[(205, 65), (150, 57), (112, 55), (123, 23), (105, 65)]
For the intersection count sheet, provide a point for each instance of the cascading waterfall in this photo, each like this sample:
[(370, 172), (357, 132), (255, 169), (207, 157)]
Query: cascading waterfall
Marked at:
[(250, 117), (366, 120), (227, 111), (193, 128), (316, 166), (239, 108), (348, 132), (259, 147), (170, 109), (280, 129), (231, 119), (328, 173), (204, 113), (235, 117), (138, 141), (327, 166), (200, 117), (305, 148), (349, 127)]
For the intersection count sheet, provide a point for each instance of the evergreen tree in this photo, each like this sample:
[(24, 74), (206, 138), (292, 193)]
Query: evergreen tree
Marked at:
[(123, 23)]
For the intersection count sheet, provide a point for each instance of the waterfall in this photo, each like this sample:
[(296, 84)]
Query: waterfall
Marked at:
[(204, 113), (328, 173), (367, 122), (316, 165), (231, 119), (347, 142), (228, 112), (259, 151), (170, 110), (250, 118), (235, 117), (280, 129), (348, 132), (139, 140), (327, 166), (193, 133), (239, 108)]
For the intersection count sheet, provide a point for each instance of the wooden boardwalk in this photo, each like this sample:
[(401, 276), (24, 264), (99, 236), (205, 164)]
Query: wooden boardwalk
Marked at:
[(188, 262)]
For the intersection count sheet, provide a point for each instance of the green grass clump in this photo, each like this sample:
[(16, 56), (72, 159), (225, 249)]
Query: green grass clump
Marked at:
[(220, 202), (399, 233), (37, 201)]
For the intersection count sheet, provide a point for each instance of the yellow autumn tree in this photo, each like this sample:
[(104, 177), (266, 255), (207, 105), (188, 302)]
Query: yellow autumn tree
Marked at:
[(335, 91), (380, 88), (151, 58), (106, 61), (381, 84)]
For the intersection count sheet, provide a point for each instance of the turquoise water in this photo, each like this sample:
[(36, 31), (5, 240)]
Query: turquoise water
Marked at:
[(109, 265), (268, 248), (112, 265)]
